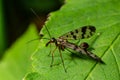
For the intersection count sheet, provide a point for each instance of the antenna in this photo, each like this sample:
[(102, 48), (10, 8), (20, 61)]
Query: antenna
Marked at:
[(39, 19), (36, 39)]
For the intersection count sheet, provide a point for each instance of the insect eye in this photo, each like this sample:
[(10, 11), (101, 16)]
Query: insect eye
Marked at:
[(53, 39), (84, 45)]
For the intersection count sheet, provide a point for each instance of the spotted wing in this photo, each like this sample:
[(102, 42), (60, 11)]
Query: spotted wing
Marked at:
[(80, 33)]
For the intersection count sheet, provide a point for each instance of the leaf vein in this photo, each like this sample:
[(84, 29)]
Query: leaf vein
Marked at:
[(116, 62), (102, 56)]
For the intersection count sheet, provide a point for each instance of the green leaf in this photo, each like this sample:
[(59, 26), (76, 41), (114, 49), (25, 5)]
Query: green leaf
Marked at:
[(16, 61), (104, 15)]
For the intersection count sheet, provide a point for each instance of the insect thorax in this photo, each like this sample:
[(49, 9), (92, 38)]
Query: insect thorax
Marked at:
[(61, 41)]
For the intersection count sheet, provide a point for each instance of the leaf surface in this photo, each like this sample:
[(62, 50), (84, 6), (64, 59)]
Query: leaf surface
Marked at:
[(105, 16)]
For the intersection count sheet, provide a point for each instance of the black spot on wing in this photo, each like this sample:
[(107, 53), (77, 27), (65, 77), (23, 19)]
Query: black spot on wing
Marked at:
[(71, 33), (83, 31), (92, 28), (74, 37), (66, 35), (76, 31)]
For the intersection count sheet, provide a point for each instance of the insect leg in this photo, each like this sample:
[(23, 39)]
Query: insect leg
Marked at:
[(50, 50), (52, 57), (62, 59)]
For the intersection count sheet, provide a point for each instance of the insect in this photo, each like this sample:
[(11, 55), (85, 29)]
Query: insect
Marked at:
[(62, 43)]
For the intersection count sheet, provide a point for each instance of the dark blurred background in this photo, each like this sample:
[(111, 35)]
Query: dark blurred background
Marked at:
[(16, 15)]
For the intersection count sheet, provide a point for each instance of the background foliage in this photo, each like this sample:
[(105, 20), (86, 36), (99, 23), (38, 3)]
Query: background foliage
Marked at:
[(103, 14), (72, 15)]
